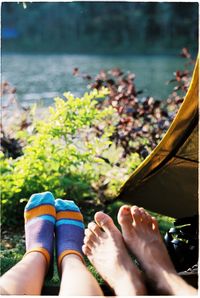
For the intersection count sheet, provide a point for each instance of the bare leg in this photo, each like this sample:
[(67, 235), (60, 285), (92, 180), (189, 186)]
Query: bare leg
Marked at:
[(26, 277), (76, 279), (141, 234), (107, 252)]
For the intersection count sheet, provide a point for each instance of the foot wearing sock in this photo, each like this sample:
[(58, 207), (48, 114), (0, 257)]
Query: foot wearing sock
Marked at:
[(40, 217), (69, 230)]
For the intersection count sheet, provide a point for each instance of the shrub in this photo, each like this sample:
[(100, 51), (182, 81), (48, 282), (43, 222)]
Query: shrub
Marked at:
[(142, 121), (63, 155)]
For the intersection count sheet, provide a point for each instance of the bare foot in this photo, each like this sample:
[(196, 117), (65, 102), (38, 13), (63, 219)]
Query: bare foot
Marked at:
[(141, 235), (104, 247)]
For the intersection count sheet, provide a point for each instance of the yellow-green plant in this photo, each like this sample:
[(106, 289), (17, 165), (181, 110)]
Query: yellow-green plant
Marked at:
[(58, 157), (63, 155)]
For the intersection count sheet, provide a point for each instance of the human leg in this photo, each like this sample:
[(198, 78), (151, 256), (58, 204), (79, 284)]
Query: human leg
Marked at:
[(141, 234), (28, 275), (76, 280), (104, 247)]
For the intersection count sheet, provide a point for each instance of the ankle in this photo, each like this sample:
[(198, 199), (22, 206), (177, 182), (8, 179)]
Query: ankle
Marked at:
[(178, 286), (169, 283), (70, 260), (37, 258), (129, 286), (130, 283), (39, 254)]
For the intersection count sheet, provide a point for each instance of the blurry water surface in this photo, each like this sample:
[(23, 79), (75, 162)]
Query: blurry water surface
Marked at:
[(39, 78)]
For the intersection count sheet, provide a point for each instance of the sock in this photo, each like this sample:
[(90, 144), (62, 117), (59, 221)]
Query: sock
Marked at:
[(40, 217), (69, 229)]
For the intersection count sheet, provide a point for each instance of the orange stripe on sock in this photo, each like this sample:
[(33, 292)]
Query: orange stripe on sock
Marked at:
[(40, 210), (42, 250), (68, 252), (69, 215)]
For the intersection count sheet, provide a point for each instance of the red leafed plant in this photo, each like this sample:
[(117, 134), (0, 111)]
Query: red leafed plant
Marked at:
[(142, 121)]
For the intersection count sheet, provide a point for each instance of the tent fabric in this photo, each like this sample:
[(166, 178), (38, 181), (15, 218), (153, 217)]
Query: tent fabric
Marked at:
[(167, 181)]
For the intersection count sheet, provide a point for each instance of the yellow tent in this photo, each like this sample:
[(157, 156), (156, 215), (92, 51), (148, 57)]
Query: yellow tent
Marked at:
[(167, 181)]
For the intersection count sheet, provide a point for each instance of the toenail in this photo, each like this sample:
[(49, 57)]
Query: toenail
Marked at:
[(103, 221), (101, 218), (126, 209), (85, 240), (92, 225)]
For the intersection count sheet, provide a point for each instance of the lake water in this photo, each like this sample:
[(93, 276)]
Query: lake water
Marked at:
[(39, 78)]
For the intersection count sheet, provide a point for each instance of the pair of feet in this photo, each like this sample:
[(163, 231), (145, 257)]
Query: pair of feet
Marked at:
[(47, 220), (106, 247)]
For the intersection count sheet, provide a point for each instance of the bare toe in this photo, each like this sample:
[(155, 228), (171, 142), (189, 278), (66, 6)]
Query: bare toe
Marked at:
[(136, 214), (86, 250), (88, 243), (90, 235), (144, 216), (124, 215), (125, 218), (106, 222), (155, 224), (95, 229), (149, 219)]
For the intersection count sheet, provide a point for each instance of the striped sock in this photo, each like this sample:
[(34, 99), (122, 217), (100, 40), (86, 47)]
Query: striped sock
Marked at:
[(69, 229), (39, 217)]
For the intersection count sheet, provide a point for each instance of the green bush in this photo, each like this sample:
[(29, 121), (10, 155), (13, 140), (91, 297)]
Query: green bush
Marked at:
[(65, 156)]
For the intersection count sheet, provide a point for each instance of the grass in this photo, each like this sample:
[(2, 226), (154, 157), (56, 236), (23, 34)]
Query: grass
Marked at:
[(13, 245), (13, 249)]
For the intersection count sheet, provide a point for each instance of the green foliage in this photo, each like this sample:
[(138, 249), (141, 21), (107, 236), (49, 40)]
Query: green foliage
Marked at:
[(12, 250), (64, 155)]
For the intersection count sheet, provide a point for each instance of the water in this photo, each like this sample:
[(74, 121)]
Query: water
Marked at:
[(39, 78)]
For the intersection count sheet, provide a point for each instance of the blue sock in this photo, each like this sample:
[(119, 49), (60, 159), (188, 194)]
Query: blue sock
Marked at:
[(69, 229), (40, 217)]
